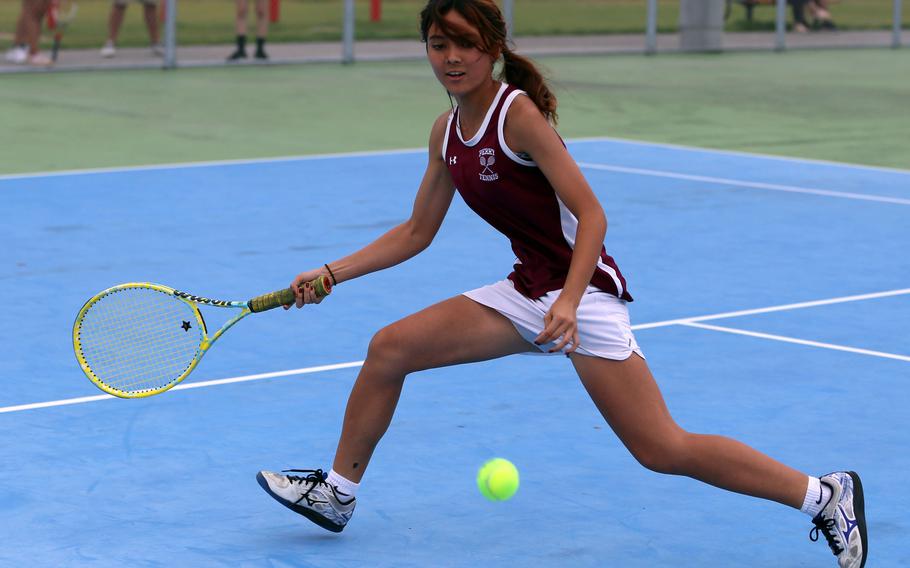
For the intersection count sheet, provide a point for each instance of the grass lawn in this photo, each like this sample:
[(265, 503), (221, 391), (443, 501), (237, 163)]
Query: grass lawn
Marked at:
[(211, 21)]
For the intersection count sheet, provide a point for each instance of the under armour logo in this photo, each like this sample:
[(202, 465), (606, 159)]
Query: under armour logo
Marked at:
[(453, 160)]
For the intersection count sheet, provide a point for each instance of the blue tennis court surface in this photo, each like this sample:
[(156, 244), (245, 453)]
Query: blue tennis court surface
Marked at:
[(772, 302)]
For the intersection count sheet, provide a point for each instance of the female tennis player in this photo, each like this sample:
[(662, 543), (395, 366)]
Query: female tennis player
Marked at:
[(497, 147)]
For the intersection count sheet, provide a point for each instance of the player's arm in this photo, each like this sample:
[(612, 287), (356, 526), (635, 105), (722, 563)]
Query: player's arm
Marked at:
[(407, 239), (528, 131)]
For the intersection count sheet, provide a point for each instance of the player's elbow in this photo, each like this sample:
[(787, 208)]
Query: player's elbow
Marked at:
[(595, 218), (419, 235)]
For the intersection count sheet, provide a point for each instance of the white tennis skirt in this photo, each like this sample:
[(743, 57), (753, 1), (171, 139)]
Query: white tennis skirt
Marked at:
[(603, 319)]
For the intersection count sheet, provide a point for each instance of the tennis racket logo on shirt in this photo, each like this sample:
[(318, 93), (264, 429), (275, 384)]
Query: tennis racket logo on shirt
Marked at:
[(487, 159)]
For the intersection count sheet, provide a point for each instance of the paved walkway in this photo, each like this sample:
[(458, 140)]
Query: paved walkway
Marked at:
[(292, 53)]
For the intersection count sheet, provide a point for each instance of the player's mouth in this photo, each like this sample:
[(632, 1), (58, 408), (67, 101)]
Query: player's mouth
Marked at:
[(454, 75)]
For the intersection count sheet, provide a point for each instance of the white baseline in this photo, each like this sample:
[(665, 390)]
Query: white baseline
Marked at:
[(421, 150)]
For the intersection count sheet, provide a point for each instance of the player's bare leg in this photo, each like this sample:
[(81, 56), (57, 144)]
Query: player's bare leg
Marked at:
[(455, 331), (630, 401)]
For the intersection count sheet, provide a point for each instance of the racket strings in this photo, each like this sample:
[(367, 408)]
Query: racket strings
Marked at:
[(139, 339)]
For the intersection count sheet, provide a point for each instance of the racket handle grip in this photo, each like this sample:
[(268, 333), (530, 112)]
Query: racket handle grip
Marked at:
[(285, 297)]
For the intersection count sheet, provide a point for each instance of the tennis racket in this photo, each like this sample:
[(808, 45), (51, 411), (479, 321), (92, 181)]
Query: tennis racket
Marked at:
[(139, 339)]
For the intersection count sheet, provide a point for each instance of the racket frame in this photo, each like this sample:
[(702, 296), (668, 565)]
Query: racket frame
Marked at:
[(190, 300), (321, 285)]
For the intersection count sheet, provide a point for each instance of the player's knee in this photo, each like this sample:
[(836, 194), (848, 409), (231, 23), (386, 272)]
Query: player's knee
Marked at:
[(389, 348), (666, 454)]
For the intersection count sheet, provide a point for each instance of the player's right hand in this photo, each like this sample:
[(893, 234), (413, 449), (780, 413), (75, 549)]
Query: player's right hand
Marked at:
[(303, 290)]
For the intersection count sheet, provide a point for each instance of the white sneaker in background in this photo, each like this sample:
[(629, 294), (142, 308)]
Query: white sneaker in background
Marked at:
[(39, 60), (17, 54), (108, 50), (158, 49)]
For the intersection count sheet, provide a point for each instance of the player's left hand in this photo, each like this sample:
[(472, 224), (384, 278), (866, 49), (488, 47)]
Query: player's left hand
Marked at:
[(560, 322)]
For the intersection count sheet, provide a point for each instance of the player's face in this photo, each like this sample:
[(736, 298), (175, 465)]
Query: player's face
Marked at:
[(459, 65)]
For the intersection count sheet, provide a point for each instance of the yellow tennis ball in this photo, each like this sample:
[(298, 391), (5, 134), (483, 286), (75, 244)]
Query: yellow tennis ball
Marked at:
[(498, 479)]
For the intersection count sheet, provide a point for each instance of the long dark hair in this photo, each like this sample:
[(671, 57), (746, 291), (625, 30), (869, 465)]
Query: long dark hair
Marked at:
[(486, 17)]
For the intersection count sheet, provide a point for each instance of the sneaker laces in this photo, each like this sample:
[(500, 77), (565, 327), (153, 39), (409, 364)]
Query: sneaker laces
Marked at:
[(315, 477), (826, 526)]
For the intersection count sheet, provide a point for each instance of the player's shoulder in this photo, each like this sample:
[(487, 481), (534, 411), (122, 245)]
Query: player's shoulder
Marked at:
[(438, 131), (523, 108), (441, 121)]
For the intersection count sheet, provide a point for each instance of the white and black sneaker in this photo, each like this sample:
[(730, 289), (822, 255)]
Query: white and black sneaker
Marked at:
[(311, 496), (843, 520)]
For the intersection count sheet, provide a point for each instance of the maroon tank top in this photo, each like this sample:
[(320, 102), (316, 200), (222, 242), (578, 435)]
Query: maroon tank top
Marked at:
[(510, 193)]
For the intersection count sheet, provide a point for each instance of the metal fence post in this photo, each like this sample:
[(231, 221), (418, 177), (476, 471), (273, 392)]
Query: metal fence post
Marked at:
[(651, 34), (347, 52), (896, 25), (170, 34), (780, 26)]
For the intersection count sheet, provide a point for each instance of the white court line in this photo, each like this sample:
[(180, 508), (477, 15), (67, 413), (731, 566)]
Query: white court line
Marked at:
[(392, 152), (185, 386), (781, 308), (794, 159), (741, 183), (190, 165), (786, 339), (305, 370)]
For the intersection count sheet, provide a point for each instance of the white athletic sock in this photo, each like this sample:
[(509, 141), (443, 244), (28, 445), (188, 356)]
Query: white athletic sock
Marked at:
[(817, 496), (344, 485)]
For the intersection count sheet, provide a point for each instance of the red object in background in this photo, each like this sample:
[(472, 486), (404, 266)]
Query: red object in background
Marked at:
[(375, 10), (274, 10), (52, 15)]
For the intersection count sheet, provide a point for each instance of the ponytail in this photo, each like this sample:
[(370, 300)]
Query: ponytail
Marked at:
[(521, 72)]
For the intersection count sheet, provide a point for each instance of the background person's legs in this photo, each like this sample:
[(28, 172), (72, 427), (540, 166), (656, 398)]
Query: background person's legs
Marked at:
[(150, 11), (242, 7), (18, 52), (262, 28), (800, 24), (114, 21), (35, 11)]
